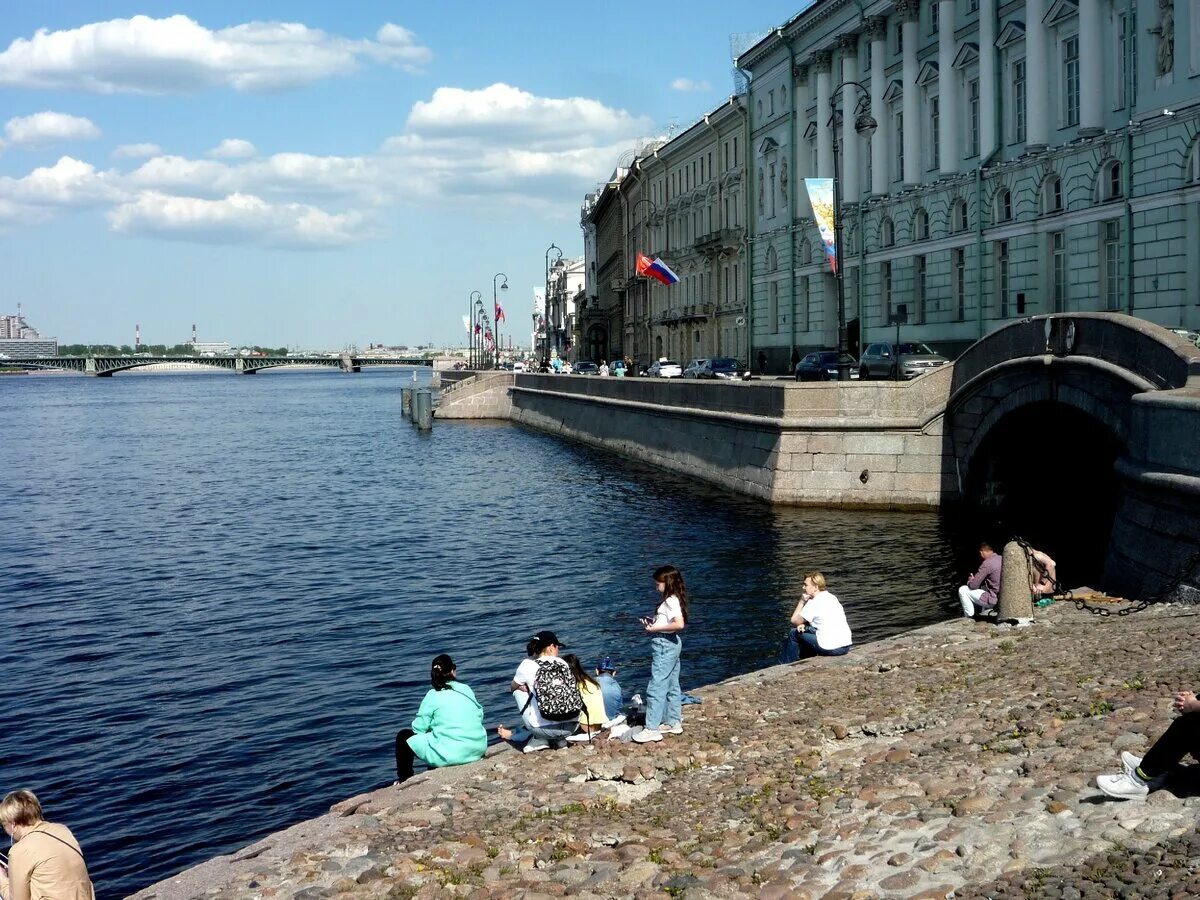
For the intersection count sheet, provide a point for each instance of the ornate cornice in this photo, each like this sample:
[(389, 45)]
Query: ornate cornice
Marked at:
[(820, 61), (848, 43), (800, 71)]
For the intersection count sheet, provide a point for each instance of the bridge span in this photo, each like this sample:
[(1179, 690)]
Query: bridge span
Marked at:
[(103, 366)]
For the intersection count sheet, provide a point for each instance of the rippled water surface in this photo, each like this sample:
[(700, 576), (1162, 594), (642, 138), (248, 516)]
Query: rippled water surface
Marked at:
[(222, 593)]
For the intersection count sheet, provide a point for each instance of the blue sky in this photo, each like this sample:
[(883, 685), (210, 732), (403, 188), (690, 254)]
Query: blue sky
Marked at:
[(320, 174)]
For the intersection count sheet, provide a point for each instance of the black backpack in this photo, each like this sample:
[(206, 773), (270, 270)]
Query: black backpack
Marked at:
[(557, 693)]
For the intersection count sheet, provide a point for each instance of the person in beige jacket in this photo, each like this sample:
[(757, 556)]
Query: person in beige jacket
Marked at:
[(45, 862)]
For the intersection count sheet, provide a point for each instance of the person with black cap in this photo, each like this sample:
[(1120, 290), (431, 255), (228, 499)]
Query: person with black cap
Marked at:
[(546, 694)]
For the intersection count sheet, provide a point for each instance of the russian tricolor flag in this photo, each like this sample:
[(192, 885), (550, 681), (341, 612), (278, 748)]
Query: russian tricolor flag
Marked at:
[(656, 269)]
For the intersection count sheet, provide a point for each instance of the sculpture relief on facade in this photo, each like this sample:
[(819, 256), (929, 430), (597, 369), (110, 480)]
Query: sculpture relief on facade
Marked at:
[(1165, 29), (783, 181)]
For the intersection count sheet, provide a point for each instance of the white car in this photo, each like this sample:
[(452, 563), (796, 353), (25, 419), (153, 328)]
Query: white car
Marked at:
[(519, 367), (665, 368)]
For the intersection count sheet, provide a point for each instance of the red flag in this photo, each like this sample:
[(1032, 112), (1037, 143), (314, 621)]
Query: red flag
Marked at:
[(499, 313)]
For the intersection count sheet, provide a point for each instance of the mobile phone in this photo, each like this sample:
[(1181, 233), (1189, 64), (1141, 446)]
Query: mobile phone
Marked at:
[(645, 620)]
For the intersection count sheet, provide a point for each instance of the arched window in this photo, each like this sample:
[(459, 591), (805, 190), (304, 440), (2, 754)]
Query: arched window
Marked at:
[(887, 233), (921, 225), (803, 252), (958, 216), (1052, 194), (1111, 187), (772, 259), (1003, 205), (783, 97)]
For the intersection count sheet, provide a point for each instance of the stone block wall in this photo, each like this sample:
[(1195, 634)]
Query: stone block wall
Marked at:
[(486, 396)]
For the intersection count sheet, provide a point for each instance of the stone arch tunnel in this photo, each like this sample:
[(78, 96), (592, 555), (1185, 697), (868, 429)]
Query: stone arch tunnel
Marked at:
[(1077, 432)]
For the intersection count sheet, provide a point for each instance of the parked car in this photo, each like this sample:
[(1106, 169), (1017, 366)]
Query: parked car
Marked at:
[(665, 368), (720, 367), (520, 367), (915, 358), (586, 368), (821, 366), (694, 368)]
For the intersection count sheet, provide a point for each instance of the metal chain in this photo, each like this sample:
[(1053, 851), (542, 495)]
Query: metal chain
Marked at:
[(1189, 568)]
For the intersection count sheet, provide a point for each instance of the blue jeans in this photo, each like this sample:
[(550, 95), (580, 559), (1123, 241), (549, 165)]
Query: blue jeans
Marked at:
[(803, 644), (664, 699)]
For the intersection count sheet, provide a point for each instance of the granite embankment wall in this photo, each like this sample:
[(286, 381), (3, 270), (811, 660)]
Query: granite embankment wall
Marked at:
[(861, 445)]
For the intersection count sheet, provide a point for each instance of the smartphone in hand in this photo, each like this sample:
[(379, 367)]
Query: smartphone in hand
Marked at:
[(645, 620)]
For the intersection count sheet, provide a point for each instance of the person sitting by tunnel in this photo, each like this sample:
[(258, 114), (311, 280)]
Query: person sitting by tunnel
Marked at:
[(982, 590), (1043, 574), (1140, 775)]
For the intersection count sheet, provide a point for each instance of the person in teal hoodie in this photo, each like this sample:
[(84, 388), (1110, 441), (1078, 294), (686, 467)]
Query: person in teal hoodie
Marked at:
[(448, 729)]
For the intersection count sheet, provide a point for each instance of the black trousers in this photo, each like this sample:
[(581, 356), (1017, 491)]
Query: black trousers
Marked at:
[(404, 755), (1182, 738)]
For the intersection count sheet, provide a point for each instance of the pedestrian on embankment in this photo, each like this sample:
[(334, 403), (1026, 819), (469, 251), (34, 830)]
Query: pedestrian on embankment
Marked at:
[(614, 698), (982, 590), (545, 692), (448, 729), (45, 862), (1140, 775), (819, 626), (664, 699)]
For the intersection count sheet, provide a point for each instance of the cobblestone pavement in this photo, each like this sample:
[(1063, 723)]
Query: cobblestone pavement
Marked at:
[(955, 760)]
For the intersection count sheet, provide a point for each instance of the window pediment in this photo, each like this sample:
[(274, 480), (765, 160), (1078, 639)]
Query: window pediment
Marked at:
[(769, 145), (928, 74), (894, 92), (1059, 12), (1011, 34), (810, 133), (968, 55)]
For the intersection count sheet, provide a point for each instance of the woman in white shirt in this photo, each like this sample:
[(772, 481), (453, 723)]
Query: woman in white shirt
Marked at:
[(542, 650), (820, 624), (664, 699)]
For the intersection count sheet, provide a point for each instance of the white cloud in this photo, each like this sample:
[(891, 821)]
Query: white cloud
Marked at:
[(47, 127), (235, 219), (177, 54), (233, 148), (689, 86), (136, 151), (68, 184)]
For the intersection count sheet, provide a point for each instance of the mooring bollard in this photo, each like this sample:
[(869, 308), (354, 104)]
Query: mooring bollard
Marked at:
[(423, 409), (1016, 600), (406, 396)]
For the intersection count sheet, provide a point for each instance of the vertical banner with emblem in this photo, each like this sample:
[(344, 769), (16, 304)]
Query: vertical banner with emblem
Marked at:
[(820, 195)]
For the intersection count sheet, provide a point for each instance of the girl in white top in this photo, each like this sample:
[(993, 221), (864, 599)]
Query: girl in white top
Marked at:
[(820, 624), (664, 699), (542, 732)]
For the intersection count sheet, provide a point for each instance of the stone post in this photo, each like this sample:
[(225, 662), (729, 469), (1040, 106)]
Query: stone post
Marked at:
[(1016, 601), (423, 409), (406, 396)]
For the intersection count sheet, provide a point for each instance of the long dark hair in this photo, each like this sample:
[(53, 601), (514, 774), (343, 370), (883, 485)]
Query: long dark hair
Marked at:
[(441, 673), (581, 677), (672, 580)]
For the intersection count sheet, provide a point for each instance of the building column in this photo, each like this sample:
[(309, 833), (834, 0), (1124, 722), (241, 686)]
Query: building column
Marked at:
[(913, 125), (1091, 63), (801, 88), (948, 125), (989, 87), (851, 192), (1036, 97), (877, 29), (820, 65)]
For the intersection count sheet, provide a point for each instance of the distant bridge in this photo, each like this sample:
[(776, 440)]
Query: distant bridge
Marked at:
[(104, 366)]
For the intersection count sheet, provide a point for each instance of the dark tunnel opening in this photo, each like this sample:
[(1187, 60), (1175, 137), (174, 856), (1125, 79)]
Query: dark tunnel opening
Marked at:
[(1046, 472)]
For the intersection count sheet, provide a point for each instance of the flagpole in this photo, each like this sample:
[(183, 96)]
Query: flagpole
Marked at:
[(475, 302), (496, 312)]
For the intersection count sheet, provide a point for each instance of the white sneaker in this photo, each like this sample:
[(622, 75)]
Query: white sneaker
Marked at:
[(677, 728), (1130, 762), (580, 737), (647, 736), (535, 744), (1125, 786), (614, 721), (619, 731)]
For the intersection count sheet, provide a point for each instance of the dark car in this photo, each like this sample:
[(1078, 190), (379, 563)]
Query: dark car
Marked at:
[(821, 366), (586, 368), (719, 367), (914, 358)]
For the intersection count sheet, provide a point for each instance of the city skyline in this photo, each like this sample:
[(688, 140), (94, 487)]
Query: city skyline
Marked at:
[(326, 176)]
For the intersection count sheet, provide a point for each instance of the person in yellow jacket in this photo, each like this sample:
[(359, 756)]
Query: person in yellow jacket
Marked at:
[(592, 719), (45, 862)]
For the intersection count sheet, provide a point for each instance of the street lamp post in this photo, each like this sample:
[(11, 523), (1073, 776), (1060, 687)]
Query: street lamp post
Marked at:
[(479, 334), (496, 310), (546, 306), (471, 329), (645, 281), (864, 125)]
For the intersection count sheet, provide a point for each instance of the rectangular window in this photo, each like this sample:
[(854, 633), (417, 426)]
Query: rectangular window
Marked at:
[(867, 57), (735, 152), (885, 282), (1070, 82), (773, 306), (919, 283), (973, 117), (899, 38), (1018, 101), (1110, 260), (933, 17), (770, 103), (1122, 60), (972, 5), (958, 258), (898, 131), (1002, 283), (1058, 271), (935, 153)]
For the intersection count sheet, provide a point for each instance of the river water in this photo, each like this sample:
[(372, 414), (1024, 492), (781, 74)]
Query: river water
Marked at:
[(221, 594)]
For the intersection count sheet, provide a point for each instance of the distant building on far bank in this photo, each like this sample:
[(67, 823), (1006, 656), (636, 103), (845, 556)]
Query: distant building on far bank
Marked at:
[(19, 340), (216, 348)]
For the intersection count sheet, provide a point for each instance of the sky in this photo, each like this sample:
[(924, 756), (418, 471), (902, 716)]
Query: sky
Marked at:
[(323, 174)]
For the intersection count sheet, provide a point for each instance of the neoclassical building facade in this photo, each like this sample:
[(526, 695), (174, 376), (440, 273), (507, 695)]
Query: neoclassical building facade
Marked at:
[(1028, 157)]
